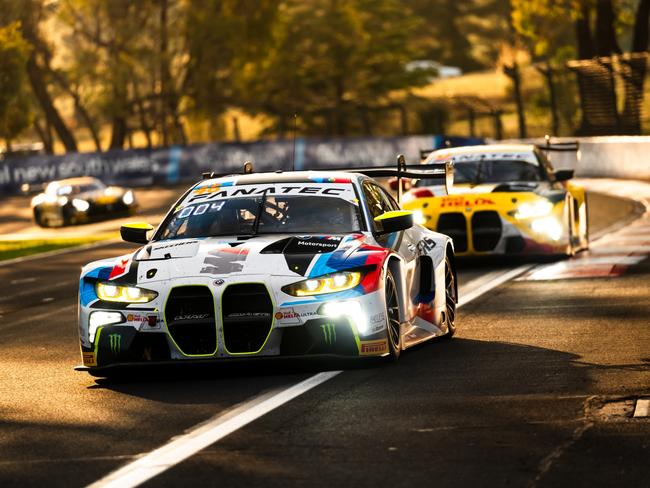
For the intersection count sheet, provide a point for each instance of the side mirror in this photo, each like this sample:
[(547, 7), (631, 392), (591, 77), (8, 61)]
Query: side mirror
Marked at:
[(395, 221), (564, 174), (136, 232)]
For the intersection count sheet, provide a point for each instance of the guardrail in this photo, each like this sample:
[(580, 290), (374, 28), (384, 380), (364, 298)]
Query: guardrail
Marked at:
[(141, 167), (626, 157)]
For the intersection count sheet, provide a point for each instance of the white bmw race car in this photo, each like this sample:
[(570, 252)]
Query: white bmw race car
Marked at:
[(270, 264)]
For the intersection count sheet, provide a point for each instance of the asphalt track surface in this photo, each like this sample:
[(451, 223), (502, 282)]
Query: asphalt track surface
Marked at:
[(535, 390)]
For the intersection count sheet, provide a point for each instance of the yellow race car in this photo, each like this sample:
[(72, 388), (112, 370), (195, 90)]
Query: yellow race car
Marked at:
[(506, 199)]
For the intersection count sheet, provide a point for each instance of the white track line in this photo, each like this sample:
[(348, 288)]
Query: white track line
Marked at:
[(482, 285), (208, 433), (184, 446)]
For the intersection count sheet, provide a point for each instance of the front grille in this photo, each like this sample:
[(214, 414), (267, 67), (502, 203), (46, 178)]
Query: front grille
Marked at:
[(454, 225), (247, 317), (189, 314), (486, 230)]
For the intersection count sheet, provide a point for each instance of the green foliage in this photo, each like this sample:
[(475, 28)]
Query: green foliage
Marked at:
[(15, 114), (331, 61)]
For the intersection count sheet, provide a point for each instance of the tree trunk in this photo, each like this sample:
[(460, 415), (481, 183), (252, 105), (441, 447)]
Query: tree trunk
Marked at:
[(641, 34), (547, 72), (164, 72), (118, 132), (634, 68), (79, 108), (37, 81), (584, 40), (513, 73), (45, 135), (606, 42)]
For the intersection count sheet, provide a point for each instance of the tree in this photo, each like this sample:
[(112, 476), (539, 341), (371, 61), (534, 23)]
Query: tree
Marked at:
[(596, 24), (332, 62), (15, 114)]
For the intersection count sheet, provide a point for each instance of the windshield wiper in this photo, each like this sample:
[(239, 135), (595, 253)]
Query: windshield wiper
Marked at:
[(260, 209)]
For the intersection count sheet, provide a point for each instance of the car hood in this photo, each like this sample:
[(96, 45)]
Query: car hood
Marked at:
[(514, 186), (275, 255)]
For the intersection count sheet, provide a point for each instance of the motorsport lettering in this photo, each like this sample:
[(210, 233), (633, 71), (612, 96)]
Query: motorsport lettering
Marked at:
[(216, 190)]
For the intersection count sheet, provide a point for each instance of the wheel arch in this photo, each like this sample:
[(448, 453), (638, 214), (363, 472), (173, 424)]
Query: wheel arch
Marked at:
[(394, 265), (449, 252)]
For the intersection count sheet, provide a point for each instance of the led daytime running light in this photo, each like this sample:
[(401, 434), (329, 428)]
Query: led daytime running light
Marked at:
[(331, 283), (110, 292)]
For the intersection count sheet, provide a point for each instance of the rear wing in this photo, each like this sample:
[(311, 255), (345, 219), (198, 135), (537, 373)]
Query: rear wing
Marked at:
[(437, 171), (568, 146)]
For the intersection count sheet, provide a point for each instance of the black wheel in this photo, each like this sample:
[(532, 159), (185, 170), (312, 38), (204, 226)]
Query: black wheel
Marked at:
[(392, 317), (451, 298), (38, 218)]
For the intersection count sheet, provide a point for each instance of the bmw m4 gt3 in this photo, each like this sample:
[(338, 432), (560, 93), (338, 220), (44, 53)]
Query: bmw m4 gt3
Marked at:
[(275, 264), (80, 200), (507, 199)]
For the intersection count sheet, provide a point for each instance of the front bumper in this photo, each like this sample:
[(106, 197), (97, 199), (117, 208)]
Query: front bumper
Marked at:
[(485, 232), (295, 329)]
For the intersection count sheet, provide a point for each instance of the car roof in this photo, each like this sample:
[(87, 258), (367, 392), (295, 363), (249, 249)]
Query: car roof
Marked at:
[(80, 180), (286, 177)]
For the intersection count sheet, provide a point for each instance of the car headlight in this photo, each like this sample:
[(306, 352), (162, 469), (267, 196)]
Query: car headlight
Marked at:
[(330, 283), (419, 217), (110, 292), (548, 226), (533, 210), (128, 198), (81, 205), (102, 319), (351, 309)]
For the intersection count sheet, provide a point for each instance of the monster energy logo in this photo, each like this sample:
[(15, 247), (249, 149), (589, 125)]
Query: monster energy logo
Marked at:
[(329, 333), (115, 343)]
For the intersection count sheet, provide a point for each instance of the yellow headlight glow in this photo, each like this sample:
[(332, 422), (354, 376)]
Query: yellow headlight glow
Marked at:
[(123, 294), (533, 210), (331, 283)]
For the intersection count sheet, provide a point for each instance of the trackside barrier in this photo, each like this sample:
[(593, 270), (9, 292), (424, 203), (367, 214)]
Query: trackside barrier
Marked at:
[(142, 167), (626, 157)]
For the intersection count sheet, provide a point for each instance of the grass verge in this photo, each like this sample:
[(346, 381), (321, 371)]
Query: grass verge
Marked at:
[(10, 249)]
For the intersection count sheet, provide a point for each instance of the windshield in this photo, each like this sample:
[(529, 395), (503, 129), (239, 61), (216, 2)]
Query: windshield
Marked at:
[(490, 171), (70, 189), (292, 214)]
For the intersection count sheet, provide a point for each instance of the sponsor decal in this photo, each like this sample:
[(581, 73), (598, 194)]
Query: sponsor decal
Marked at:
[(221, 191), (248, 315), (464, 201), (140, 319), (120, 268), (426, 245), (89, 358), (483, 156), (115, 342), (225, 260), (377, 321), (290, 316), (168, 246), (329, 333), (194, 316), (370, 348)]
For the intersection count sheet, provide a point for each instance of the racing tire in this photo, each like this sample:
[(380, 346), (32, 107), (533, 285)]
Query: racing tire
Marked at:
[(393, 324), (451, 298), (38, 218)]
